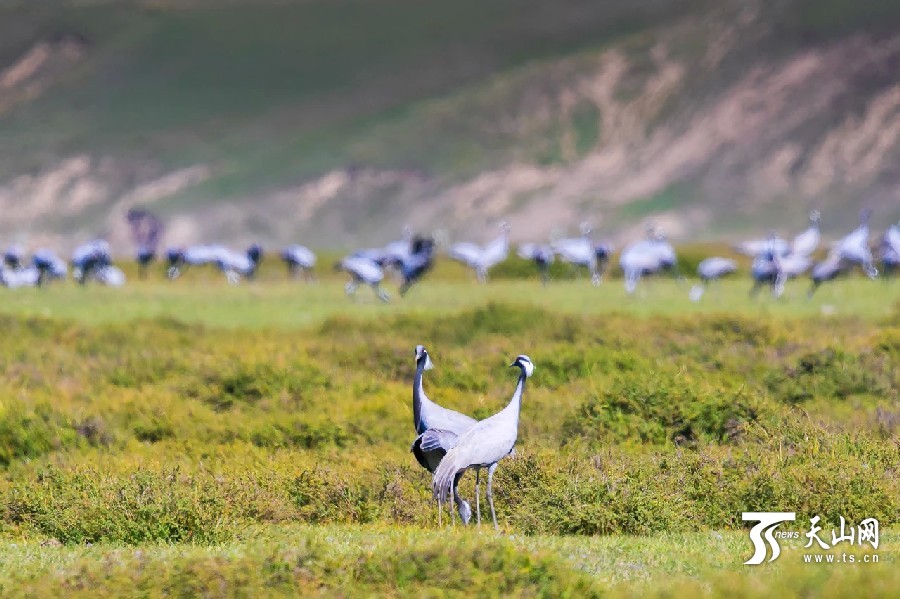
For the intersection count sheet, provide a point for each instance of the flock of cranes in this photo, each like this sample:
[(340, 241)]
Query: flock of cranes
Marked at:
[(775, 260), (449, 443)]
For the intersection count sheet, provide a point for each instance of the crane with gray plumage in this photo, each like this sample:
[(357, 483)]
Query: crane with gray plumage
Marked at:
[(766, 268), (854, 247), (481, 259), (711, 269), (540, 254), (826, 270), (889, 250), (363, 270), (757, 246), (647, 257), (484, 445), (438, 429), (805, 243), (581, 251), (299, 259)]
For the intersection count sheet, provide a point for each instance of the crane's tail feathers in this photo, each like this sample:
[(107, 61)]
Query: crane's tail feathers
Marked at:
[(444, 476)]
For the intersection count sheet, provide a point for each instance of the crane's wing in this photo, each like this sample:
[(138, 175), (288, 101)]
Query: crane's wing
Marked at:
[(365, 269), (467, 253), (893, 238), (526, 251), (433, 439), (495, 252), (302, 255)]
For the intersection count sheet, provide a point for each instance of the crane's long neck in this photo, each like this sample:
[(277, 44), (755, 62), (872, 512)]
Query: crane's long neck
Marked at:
[(418, 395), (515, 404)]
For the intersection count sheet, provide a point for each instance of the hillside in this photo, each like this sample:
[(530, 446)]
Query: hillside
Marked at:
[(337, 121)]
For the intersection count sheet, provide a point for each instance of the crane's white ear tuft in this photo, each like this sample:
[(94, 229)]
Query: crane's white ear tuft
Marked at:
[(428, 363), (529, 369), (525, 362)]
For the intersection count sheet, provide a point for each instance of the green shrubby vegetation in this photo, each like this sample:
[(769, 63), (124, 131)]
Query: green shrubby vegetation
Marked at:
[(146, 434)]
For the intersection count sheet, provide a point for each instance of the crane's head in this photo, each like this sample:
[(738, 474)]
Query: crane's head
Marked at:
[(465, 511), (814, 216), (255, 253), (504, 226), (585, 228), (524, 362), (422, 355)]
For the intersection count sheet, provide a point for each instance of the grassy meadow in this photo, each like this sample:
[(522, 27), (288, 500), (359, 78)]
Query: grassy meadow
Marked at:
[(193, 438)]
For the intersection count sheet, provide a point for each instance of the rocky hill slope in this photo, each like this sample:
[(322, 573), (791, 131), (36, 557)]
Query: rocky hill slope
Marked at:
[(337, 122)]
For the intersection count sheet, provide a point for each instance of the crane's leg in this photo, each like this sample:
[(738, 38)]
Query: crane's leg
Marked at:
[(490, 493), (382, 294), (453, 494), (812, 290), (755, 289), (478, 495), (778, 287), (631, 280), (870, 269)]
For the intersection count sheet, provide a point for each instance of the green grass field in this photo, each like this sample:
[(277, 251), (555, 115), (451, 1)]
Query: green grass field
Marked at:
[(194, 438), (274, 300)]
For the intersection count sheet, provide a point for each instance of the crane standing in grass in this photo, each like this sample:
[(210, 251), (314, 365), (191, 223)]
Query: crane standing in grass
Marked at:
[(438, 429), (711, 269), (146, 231), (484, 445), (363, 271), (482, 259), (299, 259), (541, 255), (581, 251), (889, 250)]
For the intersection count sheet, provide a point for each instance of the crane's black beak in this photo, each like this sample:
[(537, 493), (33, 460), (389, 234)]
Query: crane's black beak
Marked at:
[(513, 364)]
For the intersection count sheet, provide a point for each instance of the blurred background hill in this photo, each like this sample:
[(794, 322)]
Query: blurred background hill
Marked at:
[(334, 122)]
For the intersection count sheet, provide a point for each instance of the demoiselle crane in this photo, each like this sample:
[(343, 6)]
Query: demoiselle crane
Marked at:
[(711, 269), (89, 258), (890, 250), (541, 255), (482, 259), (826, 270), (146, 231), (581, 251), (441, 426), (854, 247), (416, 263), (765, 268), (24, 276), (646, 257), (485, 444), (193, 255), (299, 259), (806, 242), (236, 264), (14, 257), (49, 265), (754, 248), (363, 271)]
